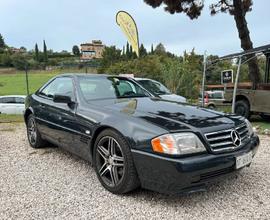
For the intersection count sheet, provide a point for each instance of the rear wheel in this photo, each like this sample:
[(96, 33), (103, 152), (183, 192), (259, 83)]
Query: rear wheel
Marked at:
[(242, 108), (213, 107), (113, 163), (33, 134)]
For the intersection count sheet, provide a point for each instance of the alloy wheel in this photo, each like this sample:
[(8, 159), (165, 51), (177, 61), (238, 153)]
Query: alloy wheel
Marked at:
[(32, 131), (110, 161)]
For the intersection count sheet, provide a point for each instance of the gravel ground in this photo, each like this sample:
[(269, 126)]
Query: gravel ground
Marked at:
[(52, 184)]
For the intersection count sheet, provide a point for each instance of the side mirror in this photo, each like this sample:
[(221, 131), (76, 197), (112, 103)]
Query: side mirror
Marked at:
[(62, 99)]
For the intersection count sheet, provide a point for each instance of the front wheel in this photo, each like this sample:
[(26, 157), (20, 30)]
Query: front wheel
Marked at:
[(113, 163), (242, 108), (33, 134)]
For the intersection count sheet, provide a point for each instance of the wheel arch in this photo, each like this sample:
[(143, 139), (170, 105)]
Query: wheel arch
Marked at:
[(28, 112), (97, 132)]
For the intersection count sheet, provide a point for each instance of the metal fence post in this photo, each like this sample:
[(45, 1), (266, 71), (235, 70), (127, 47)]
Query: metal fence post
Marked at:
[(236, 83), (204, 73)]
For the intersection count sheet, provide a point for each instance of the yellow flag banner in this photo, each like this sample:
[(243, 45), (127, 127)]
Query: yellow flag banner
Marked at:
[(129, 27)]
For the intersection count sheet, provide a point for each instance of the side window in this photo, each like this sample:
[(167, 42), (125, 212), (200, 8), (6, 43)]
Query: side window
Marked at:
[(125, 88), (8, 100), (19, 100), (217, 95), (59, 86)]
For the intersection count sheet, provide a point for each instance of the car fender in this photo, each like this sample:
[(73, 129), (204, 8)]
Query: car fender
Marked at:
[(136, 131)]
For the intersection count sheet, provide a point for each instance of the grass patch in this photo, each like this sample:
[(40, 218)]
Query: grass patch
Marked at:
[(4, 118), (15, 83), (260, 125)]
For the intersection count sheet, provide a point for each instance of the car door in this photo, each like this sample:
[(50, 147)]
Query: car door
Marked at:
[(8, 105), (56, 120), (20, 107)]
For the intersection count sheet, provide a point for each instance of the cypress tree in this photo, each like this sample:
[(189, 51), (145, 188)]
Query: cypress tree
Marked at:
[(123, 51), (127, 51), (45, 54), (152, 49), (2, 42), (36, 57), (143, 51)]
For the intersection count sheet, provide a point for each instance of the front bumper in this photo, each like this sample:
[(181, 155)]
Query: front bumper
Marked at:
[(181, 175)]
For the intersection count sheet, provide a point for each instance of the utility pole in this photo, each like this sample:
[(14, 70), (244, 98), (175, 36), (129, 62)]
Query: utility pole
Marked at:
[(26, 78)]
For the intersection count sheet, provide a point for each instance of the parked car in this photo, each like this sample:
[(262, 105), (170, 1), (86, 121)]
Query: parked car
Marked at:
[(12, 104), (251, 99), (213, 99), (158, 89), (134, 139)]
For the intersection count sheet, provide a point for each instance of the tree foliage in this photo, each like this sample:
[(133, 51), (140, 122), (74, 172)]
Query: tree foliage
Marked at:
[(45, 54), (76, 50), (160, 49), (191, 8), (36, 56), (110, 56), (2, 42), (236, 8), (142, 51)]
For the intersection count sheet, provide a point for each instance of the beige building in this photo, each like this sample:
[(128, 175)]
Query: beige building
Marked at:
[(92, 50)]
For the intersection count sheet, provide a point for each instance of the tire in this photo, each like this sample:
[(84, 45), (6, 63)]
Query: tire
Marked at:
[(212, 107), (114, 165), (265, 117), (242, 108), (33, 135)]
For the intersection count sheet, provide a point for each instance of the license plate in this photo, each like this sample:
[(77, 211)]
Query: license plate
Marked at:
[(243, 160)]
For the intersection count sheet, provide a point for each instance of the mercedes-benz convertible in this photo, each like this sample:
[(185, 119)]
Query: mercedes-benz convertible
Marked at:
[(133, 138)]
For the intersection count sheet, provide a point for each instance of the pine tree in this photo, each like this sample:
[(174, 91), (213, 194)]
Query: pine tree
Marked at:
[(36, 57), (45, 54)]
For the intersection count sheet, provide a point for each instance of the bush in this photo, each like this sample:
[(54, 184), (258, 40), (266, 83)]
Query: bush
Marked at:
[(5, 60), (19, 61)]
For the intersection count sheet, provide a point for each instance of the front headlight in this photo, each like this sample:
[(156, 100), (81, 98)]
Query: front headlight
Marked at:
[(178, 144), (250, 128)]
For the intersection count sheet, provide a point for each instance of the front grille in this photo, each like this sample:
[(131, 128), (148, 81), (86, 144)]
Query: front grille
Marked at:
[(221, 141)]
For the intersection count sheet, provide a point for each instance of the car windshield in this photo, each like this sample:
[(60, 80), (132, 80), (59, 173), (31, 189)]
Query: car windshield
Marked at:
[(101, 87), (154, 87)]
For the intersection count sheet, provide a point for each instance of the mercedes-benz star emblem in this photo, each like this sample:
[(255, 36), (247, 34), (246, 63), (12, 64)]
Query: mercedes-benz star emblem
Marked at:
[(236, 139)]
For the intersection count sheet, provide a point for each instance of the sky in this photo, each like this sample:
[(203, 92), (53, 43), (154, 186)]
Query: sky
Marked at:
[(64, 23)]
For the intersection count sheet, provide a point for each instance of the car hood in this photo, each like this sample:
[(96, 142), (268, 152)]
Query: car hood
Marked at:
[(172, 116)]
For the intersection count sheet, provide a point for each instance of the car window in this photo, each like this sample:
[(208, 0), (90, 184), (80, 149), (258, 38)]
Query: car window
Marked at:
[(217, 95), (8, 100), (125, 87), (109, 87), (154, 87), (19, 100), (59, 86)]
